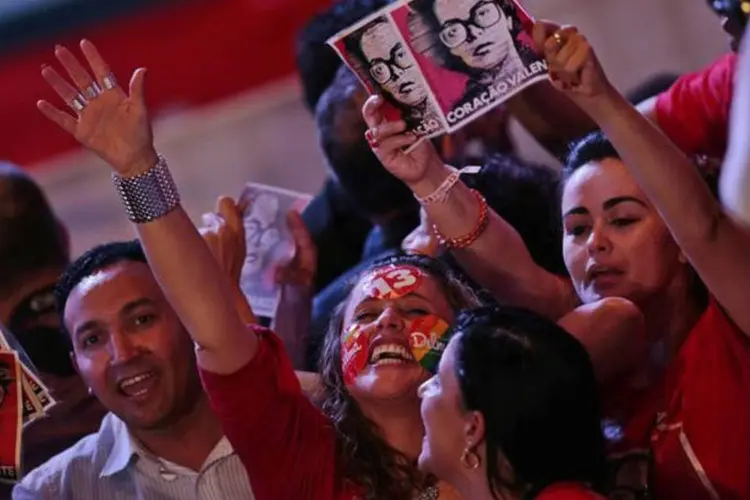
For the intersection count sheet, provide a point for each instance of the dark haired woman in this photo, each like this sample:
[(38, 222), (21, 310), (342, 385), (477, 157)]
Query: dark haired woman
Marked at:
[(513, 412), (640, 224)]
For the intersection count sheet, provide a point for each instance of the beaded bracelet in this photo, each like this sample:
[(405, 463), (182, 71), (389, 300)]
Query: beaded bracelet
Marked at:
[(441, 193), (466, 240)]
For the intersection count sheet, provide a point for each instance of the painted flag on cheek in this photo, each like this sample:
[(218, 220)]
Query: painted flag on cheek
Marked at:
[(355, 346), (428, 338)]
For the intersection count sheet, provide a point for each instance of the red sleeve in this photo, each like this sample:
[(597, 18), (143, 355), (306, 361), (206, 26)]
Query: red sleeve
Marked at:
[(694, 112), (286, 444), (715, 406)]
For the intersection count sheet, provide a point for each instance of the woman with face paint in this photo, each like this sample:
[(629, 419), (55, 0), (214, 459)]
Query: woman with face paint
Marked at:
[(641, 225)]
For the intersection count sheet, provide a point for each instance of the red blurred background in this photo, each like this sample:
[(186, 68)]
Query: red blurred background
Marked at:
[(204, 50)]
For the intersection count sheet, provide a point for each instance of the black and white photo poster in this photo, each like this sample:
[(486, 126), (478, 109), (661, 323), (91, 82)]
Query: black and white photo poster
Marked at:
[(269, 242), (443, 63)]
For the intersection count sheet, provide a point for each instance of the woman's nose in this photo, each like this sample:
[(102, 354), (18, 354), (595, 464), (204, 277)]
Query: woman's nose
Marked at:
[(390, 319), (598, 241)]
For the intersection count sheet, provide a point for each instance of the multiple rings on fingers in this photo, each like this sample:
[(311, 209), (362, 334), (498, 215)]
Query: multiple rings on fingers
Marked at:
[(79, 102), (92, 91), (558, 38), (372, 140), (109, 82)]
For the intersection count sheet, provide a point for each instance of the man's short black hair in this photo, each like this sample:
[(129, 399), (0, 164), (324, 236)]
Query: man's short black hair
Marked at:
[(95, 260), (354, 167), (31, 238), (316, 61)]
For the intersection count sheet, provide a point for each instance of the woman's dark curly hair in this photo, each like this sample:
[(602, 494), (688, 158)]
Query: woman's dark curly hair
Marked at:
[(434, 47), (364, 457)]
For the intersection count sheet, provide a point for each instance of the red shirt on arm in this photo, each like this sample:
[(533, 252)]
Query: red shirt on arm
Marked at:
[(287, 445), (694, 426), (694, 112)]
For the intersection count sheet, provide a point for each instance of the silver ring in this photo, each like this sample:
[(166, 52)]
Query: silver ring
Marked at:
[(109, 82), (79, 102), (92, 91)]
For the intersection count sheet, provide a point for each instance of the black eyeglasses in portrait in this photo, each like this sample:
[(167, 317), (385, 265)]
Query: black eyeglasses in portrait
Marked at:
[(383, 70), (454, 32)]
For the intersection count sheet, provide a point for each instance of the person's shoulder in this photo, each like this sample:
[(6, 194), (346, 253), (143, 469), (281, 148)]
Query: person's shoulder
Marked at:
[(84, 459)]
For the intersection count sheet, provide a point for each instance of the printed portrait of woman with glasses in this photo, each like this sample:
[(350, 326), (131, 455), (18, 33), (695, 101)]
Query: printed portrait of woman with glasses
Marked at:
[(378, 49), (480, 39)]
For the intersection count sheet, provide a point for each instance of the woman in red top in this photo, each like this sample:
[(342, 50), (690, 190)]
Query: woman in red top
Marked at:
[(518, 395), (640, 223)]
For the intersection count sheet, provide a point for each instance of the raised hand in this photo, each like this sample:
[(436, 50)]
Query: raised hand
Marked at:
[(573, 65), (300, 270), (106, 120), (224, 233), (388, 142)]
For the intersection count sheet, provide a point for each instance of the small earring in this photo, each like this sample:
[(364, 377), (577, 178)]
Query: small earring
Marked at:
[(90, 391), (469, 459)]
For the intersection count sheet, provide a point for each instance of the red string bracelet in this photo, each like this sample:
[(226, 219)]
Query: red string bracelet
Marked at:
[(467, 239)]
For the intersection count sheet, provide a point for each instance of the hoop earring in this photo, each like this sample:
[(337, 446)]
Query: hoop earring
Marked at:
[(469, 459)]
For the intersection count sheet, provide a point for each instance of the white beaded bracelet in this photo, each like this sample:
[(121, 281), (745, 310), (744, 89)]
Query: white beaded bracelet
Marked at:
[(441, 193)]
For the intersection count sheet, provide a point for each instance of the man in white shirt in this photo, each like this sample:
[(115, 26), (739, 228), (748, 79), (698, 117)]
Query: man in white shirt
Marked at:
[(160, 439)]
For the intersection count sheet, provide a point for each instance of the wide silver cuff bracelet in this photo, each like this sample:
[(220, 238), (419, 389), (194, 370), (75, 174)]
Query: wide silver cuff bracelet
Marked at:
[(150, 195)]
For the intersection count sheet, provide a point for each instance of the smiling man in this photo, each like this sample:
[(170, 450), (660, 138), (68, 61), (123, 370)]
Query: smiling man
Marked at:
[(160, 439)]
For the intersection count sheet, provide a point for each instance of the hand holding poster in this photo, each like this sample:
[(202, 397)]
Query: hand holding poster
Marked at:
[(442, 63), (269, 242)]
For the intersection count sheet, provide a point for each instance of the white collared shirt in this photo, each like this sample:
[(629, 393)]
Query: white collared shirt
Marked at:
[(112, 465)]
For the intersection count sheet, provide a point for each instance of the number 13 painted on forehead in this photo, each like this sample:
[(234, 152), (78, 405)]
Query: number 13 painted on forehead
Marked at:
[(393, 282)]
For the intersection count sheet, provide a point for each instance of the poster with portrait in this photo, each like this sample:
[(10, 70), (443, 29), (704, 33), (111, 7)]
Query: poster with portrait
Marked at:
[(470, 56), (378, 54), (11, 416), (36, 397), (269, 242)]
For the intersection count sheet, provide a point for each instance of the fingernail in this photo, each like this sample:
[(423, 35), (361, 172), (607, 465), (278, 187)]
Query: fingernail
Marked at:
[(58, 47)]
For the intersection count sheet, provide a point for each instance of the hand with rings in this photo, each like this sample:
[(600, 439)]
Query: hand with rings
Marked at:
[(573, 65), (389, 142), (106, 120)]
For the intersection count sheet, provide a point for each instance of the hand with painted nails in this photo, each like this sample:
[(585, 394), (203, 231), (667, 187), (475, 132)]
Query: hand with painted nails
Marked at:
[(573, 65), (390, 144), (106, 120)]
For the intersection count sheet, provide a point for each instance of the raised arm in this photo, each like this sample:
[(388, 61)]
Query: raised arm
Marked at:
[(715, 245), (498, 259), (115, 125)]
